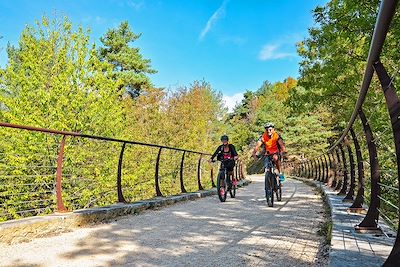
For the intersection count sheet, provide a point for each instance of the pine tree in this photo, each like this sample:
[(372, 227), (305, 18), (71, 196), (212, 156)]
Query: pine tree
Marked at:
[(130, 69)]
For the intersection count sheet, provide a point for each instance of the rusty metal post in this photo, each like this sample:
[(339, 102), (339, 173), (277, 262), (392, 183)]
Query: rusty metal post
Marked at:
[(236, 170), (343, 190), (312, 169), (315, 175), (335, 169), (60, 203), (301, 169), (339, 162), (393, 106), (359, 200), (370, 221), (156, 177), (350, 194), (119, 175), (199, 174), (329, 182), (326, 178), (212, 176), (241, 171), (306, 169), (183, 190)]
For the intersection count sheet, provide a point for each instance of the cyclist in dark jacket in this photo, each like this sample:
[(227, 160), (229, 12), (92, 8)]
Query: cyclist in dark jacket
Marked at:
[(227, 152)]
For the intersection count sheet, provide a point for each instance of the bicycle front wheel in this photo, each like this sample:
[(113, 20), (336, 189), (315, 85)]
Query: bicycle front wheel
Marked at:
[(269, 193), (221, 187)]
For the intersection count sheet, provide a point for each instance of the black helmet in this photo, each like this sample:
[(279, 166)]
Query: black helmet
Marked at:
[(224, 138), (269, 125)]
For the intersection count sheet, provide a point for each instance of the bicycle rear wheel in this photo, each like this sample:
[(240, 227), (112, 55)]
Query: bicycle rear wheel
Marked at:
[(221, 187), (232, 192), (279, 191)]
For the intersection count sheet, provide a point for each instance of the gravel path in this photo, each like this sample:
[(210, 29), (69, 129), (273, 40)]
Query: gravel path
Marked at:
[(205, 232)]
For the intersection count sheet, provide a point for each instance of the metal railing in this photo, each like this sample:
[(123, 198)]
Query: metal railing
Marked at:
[(383, 198), (44, 171)]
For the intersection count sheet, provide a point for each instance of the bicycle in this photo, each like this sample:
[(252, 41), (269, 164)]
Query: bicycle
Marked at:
[(271, 183), (224, 184)]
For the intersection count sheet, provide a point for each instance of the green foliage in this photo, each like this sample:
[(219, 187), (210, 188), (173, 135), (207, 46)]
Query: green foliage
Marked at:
[(56, 79), (306, 134), (129, 66), (332, 67)]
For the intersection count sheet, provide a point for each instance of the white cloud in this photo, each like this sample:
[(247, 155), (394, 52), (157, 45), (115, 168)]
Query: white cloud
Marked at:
[(232, 101), (137, 5), (219, 13), (270, 51)]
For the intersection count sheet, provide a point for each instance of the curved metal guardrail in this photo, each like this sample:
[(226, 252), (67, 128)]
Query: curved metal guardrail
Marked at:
[(53, 180), (332, 167)]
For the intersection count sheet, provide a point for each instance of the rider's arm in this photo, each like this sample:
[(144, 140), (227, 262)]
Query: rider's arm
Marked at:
[(259, 143), (215, 153), (234, 153), (281, 145)]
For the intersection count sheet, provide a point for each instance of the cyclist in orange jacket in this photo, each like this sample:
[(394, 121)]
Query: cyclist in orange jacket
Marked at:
[(273, 146)]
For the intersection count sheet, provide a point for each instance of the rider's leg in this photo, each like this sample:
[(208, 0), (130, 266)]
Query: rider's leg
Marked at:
[(230, 177), (277, 162), (278, 167)]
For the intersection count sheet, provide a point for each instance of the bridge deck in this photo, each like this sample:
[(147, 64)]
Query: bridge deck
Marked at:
[(239, 232), (350, 248)]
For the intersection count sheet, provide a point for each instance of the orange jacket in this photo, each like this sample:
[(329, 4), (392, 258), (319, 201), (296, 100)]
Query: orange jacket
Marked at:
[(271, 143)]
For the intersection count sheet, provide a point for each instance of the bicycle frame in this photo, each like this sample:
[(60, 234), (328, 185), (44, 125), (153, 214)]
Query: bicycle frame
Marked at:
[(225, 182), (270, 180)]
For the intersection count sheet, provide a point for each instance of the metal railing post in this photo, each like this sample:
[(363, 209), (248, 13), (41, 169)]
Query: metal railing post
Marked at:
[(330, 178), (156, 177), (359, 200), (350, 194), (183, 190), (326, 178), (60, 203), (212, 176), (119, 175), (340, 171), (335, 168), (323, 169), (393, 106), (343, 190), (370, 221), (199, 174)]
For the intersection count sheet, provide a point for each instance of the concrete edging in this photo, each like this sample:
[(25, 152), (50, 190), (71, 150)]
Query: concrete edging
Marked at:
[(23, 230)]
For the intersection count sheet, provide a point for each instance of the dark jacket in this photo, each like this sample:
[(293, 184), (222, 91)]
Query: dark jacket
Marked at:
[(219, 152)]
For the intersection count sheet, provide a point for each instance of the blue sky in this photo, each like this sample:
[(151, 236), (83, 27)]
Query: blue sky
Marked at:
[(233, 44)]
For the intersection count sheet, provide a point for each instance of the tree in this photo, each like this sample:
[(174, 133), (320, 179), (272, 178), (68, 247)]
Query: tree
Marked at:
[(130, 69), (54, 79)]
